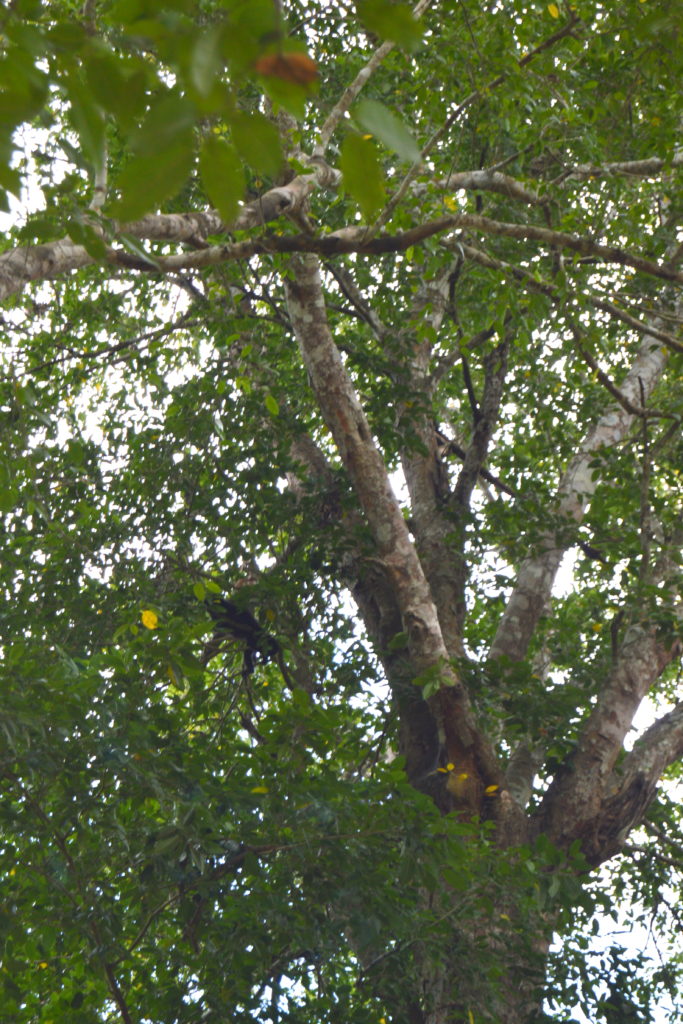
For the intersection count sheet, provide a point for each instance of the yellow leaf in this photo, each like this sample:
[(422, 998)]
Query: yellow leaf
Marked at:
[(504, 917), (270, 615), (470, 1018), (260, 789), (490, 789), (149, 619), (553, 10), (450, 203)]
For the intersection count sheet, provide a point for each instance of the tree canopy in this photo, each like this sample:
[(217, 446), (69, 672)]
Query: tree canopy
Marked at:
[(340, 497)]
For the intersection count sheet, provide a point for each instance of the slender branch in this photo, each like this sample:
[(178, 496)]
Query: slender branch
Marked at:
[(351, 92), (630, 168), (353, 293), (619, 314), (640, 411), (634, 849), (485, 474), (495, 372), (184, 321)]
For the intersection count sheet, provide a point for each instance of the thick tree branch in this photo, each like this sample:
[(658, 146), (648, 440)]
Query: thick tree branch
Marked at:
[(20, 266), (397, 556), (660, 746), (425, 473), (492, 181), (589, 800), (357, 240)]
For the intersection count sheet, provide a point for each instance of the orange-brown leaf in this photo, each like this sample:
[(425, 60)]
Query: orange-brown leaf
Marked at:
[(297, 68)]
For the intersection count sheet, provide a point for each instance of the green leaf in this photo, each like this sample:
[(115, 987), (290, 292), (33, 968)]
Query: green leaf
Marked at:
[(133, 245), (205, 61), (271, 405), (23, 87), (222, 175), (394, 21), (118, 85), (148, 180), (168, 122), (398, 642), (362, 171), (163, 158), (375, 117), (10, 179), (199, 591), (257, 142), (85, 235)]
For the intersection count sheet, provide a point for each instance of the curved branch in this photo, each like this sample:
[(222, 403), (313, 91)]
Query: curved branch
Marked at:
[(492, 181)]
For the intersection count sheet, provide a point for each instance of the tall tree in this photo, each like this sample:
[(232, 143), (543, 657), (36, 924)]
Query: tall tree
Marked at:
[(335, 332)]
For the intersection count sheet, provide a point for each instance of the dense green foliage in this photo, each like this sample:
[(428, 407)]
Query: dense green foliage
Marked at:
[(182, 840)]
